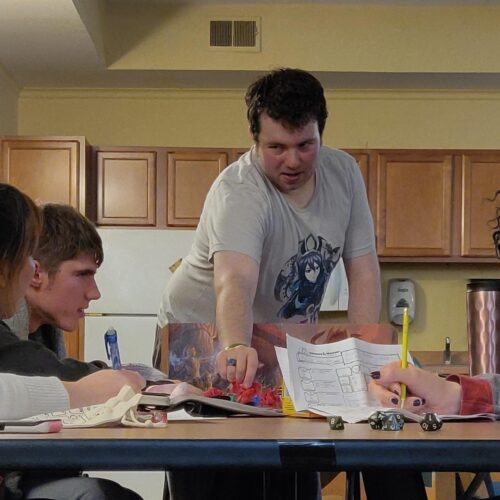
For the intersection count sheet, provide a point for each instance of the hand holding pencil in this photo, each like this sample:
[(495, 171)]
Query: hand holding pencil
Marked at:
[(404, 352), (427, 391)]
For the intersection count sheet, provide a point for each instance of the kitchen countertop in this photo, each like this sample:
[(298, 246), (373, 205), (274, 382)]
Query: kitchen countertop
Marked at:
[(433, 361)]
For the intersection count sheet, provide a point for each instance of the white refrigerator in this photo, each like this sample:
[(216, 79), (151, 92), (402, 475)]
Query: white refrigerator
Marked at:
[(131, 281)]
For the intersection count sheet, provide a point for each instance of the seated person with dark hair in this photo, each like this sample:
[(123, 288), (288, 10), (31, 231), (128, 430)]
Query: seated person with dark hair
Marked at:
[(19, 230)]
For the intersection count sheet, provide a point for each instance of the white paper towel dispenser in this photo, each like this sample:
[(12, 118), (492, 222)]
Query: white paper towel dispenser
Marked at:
[(401, 295)]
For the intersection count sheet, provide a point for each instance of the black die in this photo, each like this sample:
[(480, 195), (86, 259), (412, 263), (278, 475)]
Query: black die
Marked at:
[(398, 416), (392, 422), (336, 423), (375, 420), (431, 422)]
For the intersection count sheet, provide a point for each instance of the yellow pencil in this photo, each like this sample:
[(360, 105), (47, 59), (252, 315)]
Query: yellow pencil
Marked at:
[(404, 352)]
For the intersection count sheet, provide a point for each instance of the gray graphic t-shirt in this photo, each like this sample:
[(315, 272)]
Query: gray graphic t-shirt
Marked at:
[(296, 248)]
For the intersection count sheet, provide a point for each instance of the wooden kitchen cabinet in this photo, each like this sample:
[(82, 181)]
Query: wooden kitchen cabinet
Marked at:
[(126, 187), (480, 172), (414, 203), (153, 187), (190, 173), (48, 169), (365, 160)]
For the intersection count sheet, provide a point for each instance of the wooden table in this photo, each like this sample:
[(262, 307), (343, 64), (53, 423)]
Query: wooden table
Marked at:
[(260, 443)]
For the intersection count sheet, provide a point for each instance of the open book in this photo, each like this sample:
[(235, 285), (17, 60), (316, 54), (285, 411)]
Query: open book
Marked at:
[(141, 410), (202, 406)]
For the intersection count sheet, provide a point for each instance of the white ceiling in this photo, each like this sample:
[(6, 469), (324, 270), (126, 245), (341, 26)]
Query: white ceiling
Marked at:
[(46, 44)]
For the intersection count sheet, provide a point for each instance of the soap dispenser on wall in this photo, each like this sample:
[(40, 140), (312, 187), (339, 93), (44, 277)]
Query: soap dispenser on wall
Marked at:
[(401, 295)]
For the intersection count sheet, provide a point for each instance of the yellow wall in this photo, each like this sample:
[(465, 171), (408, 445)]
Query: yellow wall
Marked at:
[(315, 36), (358, 119), (8, 105), (141, 118), (440, 301)]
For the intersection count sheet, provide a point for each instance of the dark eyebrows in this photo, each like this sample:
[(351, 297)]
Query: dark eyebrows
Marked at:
[(85, 272)]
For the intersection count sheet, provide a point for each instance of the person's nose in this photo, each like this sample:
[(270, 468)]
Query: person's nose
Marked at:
[(93, 292), (292, 158)]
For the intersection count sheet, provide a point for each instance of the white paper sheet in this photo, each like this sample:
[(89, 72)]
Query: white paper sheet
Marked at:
[(335, 374)]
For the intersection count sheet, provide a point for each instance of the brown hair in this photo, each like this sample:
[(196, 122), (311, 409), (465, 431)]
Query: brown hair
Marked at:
[(66, 234), (19, 230), (292, 97)]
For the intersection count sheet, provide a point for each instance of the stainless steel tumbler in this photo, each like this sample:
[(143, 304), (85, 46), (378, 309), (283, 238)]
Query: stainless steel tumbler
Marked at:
[(483, 325)]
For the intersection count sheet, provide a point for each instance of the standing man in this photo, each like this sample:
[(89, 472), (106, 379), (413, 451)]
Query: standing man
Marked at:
[(274, 225)]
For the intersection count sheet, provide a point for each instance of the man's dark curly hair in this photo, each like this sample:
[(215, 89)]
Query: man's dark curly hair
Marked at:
[(292, 97)]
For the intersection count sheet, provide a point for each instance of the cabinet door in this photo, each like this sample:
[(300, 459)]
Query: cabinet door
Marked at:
[(46, 169), (190, 175), (481, 208), (414, 205), (363, 158), (126, 188)]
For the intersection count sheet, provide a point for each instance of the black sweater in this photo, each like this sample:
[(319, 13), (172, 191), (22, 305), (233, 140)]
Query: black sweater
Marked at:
[(26, 357)]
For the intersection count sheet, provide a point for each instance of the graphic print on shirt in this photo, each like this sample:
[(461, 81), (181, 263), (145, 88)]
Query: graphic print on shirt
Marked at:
[(302, 281)]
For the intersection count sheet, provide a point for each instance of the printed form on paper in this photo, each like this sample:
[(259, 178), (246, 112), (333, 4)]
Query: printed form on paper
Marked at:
[(336, 374)]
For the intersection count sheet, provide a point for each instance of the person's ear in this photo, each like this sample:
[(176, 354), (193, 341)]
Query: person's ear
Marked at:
[(36, 281)]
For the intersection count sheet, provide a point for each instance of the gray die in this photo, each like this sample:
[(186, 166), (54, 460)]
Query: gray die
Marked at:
[(431, 422), (336, 423)]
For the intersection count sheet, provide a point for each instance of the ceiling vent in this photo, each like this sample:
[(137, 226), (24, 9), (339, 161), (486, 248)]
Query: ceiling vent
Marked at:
[(235, 34)]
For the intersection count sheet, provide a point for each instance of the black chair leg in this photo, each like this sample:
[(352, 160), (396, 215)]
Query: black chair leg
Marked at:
[(469, 493), (353, 487)]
